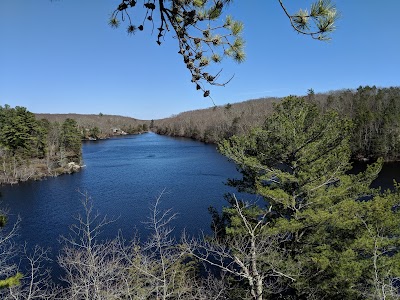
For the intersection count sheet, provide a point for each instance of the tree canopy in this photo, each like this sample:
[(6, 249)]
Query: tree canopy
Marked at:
[(19, 130), (341, 235), (31, 148)]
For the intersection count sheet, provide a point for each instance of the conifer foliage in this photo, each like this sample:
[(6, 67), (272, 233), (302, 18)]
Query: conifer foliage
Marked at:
[(31, 148), (345, 247), (205, 36)]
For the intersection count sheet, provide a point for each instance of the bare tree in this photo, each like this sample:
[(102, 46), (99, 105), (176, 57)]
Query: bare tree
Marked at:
[(383, 283), (158, 268), (36, 283), (212, 287), (251, 255), (9, 275), (159, 262), (93, 269)]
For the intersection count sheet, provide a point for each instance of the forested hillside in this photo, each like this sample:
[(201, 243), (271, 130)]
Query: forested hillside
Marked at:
[(100, 126), (213, 124), (31, 148), (375, 113)]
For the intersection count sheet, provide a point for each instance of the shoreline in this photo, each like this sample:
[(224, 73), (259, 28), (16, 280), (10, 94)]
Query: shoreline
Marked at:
[(38, 171)]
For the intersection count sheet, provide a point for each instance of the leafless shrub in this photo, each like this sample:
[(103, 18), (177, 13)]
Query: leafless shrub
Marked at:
[(36, 282), (252, 255), (93, 269)]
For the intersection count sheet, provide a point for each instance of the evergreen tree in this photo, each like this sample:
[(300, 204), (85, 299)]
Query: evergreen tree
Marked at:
[(71, 140), (19, 130), (95, 132), (299, 162)]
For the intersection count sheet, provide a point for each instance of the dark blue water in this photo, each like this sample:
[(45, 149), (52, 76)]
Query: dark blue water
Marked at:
[(124, 176), (390, 172)]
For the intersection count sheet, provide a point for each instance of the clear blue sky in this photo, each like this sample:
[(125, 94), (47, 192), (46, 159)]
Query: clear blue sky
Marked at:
[(61, 57)]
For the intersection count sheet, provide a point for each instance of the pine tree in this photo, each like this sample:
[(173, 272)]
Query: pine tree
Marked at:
[(71, 140), (299, 163)]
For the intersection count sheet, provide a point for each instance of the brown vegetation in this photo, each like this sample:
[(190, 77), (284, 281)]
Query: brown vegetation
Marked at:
[(213, 124), (100, 126), (374, 112)]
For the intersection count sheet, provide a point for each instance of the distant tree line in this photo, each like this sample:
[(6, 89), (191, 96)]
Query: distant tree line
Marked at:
[(31, 148), (214, 124), (374, 112), (101, 126)]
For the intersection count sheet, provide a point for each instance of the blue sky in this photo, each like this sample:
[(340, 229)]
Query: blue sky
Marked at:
[(61, 57)]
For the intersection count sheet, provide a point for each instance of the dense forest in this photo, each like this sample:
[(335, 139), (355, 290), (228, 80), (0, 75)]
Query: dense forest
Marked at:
[(213, 124), (31, 148), (315, 231), (374, 112)]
